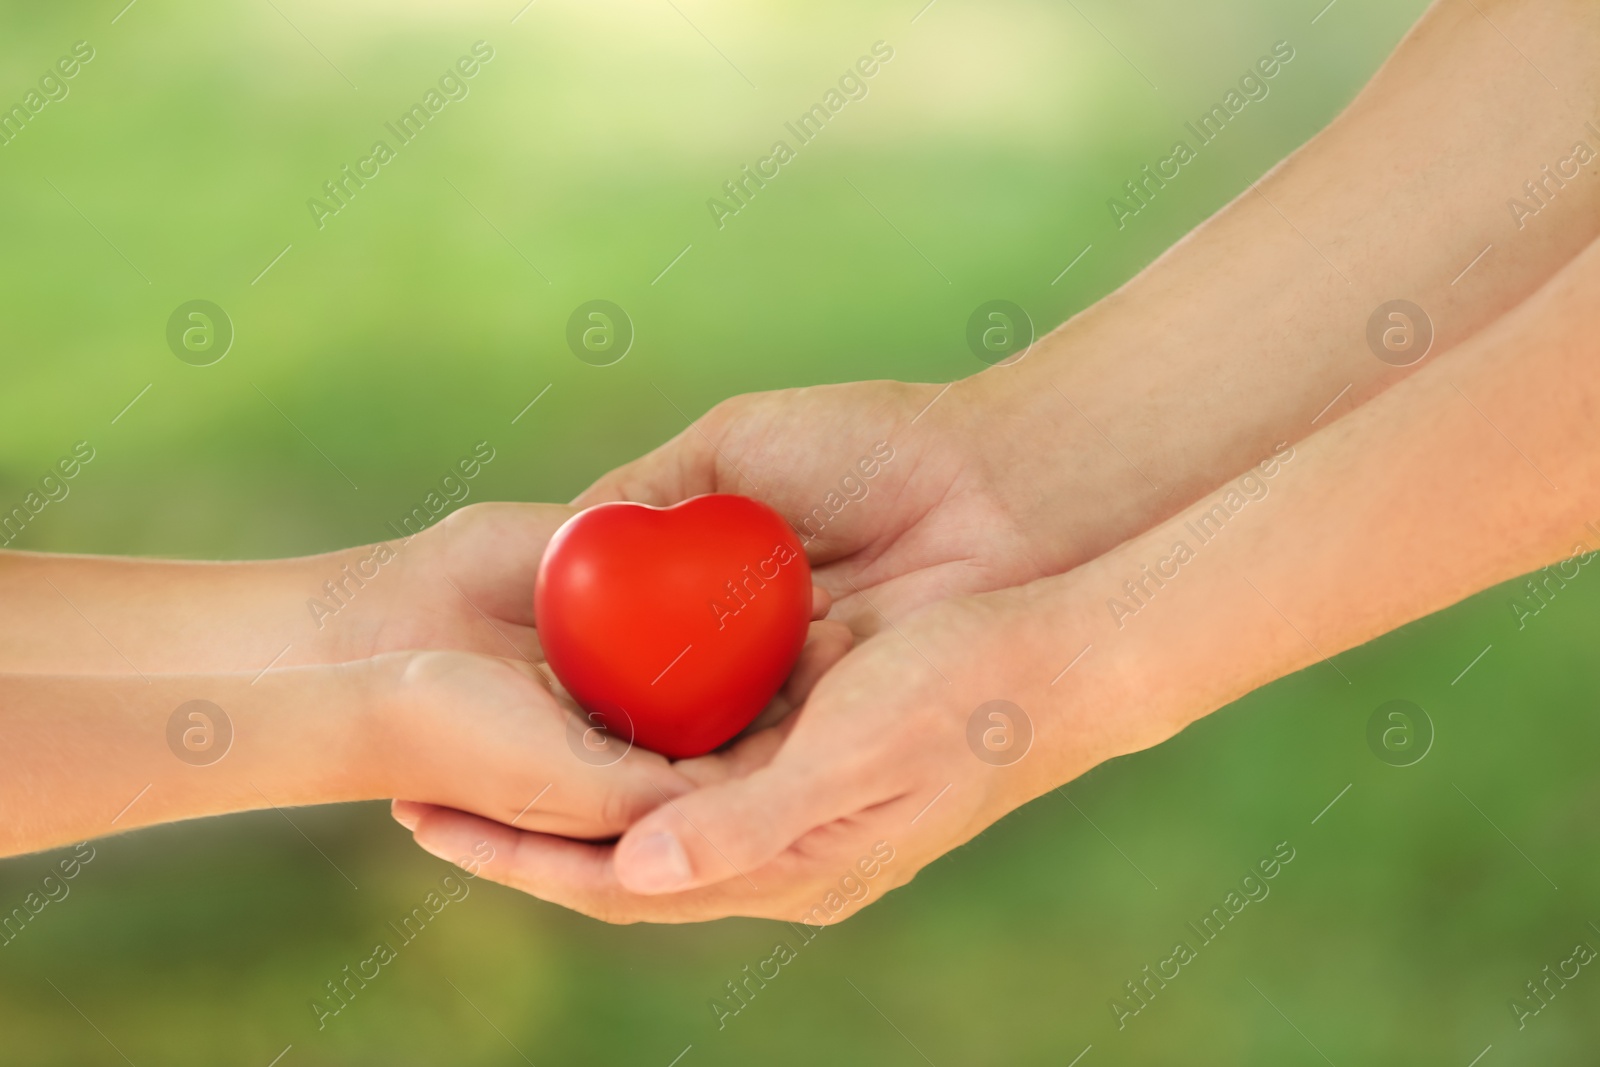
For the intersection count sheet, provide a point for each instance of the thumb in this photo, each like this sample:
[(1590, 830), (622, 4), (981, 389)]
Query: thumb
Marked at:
[(729, 830)]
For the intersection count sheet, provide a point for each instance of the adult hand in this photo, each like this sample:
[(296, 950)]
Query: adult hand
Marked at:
[(903, 494), (1400, 509), (880, 762), (905, 501)]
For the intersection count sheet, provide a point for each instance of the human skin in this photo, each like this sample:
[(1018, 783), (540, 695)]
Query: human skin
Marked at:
[(1477, 469), (1185, 369), (1236, 339), (1233, 342), (464, 584), (93, 754), (90, 755), (98, 654)]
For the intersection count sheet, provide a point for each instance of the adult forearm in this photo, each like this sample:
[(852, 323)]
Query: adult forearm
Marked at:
[(1253, 330), (1478, 469)]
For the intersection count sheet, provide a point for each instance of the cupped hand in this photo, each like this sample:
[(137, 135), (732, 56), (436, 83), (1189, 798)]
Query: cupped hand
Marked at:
[(903, 501), (490, 736), (903, 494), (464, 588), (898, 750)]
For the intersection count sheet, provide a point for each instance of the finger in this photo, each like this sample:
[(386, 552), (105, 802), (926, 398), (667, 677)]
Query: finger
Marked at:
[(492, 849), (685, 466), (826, 645), (407, 812), (598, 802), (582, 877), (577, 828), (726, 831), (821, 602), (515, 753), (533, 671), (569, 873), (510, 639)]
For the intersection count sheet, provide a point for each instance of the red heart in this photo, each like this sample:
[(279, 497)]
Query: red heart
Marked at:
[(674, 626)]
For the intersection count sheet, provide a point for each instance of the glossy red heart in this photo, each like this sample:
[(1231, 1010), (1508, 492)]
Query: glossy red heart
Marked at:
[(674, 626)]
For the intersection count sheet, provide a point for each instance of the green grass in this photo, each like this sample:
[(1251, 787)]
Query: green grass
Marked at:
[(410, 327)]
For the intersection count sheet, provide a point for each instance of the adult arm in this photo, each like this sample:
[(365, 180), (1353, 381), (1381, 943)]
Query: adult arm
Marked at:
[(1236, 339), (1477, 469)]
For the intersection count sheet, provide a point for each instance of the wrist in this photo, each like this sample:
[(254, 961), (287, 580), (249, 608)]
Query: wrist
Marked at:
[(345, 599), (1170, 626), (1091, 694), (404, 719), (109, 753), (300, 736), (386, 739), (1067, 424), (1091, 689), (1018, 670)]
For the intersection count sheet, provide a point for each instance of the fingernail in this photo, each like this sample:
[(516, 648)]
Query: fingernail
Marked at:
[(407, 815), (657, 864), (438, 850)]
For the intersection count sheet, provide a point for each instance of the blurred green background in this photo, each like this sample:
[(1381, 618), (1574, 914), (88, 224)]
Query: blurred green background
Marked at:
[(429, 312)]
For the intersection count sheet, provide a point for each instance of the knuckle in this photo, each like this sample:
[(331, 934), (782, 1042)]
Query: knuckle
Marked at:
[(721, 416)]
